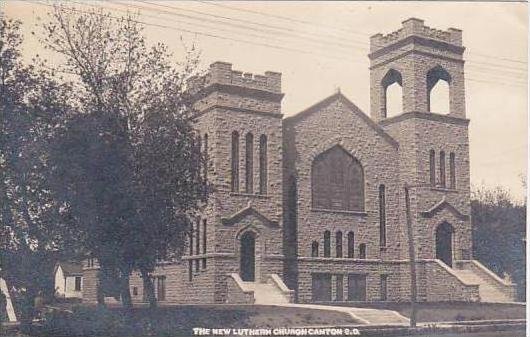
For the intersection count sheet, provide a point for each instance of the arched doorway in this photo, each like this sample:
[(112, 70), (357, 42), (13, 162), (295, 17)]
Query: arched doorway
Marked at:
[(247, 268), (444, 243)]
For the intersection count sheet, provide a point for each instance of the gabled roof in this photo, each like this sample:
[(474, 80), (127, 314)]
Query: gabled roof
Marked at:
[(354, 108), (248, 211), (70, 268), (440, 206)]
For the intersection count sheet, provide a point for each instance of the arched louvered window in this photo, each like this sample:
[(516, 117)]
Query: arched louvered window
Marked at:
[(338, 243), (351, 245), (382, 216), (249, 163), (452, 170), (337, 181), (263, 164), (314, 249), (432, 167), (442, 168), (327, 244), (235, 161)]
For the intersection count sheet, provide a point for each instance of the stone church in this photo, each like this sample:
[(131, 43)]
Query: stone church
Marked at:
[(313, 207)]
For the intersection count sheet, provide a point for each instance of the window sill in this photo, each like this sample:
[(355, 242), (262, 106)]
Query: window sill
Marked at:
[(258, 196), (359, 213), (444, 189)]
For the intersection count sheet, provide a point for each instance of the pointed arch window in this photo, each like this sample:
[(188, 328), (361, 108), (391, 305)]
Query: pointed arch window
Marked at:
[(438, 90), (442, 168), (337, 181), (432, 167), (249, 163), (382, 216), (263, 164), (205, 152), (452, 170), (392, 95), (235, 161), (327, 244), (314, 249), (351, 245), (338, 244), (362, 251), (198, 236)]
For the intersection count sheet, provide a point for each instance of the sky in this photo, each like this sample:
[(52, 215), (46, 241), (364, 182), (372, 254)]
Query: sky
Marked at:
[(321, 47)]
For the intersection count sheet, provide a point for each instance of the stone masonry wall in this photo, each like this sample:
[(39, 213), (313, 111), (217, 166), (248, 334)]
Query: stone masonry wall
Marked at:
[(316, 132)]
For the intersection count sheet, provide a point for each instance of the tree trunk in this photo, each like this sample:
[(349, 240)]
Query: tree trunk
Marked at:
[(27, 310), (149, 289), (99, 293), (125, 291)]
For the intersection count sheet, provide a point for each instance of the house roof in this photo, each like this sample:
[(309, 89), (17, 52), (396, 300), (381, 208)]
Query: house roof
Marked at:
[(354, 108), (70, 268)]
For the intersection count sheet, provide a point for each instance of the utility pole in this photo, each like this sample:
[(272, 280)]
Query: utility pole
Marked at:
[(412, 257)]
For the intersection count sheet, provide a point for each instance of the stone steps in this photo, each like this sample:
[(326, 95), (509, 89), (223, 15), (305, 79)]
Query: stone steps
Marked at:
[(266, 293), (376, 316), (487, 291)]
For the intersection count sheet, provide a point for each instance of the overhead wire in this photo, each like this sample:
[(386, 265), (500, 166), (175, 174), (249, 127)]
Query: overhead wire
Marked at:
[(279, 47)]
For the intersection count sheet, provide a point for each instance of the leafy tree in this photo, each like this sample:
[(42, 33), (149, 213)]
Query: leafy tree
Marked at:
[(499, 232), (128, 163), (35, 229)]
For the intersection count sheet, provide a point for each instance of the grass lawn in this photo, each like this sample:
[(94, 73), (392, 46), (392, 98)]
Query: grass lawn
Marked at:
[(180, 320), (450, 312), (250, 316)]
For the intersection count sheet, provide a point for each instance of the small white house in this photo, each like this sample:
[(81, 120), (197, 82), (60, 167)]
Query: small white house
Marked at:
[(68, 280)]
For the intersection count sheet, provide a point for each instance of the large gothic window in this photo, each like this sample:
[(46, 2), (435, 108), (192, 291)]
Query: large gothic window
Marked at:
[(337, 180)]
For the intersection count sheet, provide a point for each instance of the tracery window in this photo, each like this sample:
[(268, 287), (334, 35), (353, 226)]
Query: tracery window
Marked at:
[(337, 181)]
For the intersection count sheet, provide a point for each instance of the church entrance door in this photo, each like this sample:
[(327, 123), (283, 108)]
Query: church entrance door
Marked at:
[(444, 243), (248, 257)]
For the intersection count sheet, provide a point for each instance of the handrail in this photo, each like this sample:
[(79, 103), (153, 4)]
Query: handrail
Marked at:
[(492, 274), (278, 282), (452, 272), (244, 288)]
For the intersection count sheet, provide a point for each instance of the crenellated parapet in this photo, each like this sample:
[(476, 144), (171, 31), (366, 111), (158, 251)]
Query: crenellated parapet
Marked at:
[(222, 73), (416, 27)]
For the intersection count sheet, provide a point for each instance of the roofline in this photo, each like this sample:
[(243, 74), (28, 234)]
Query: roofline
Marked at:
[(339, 96)]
